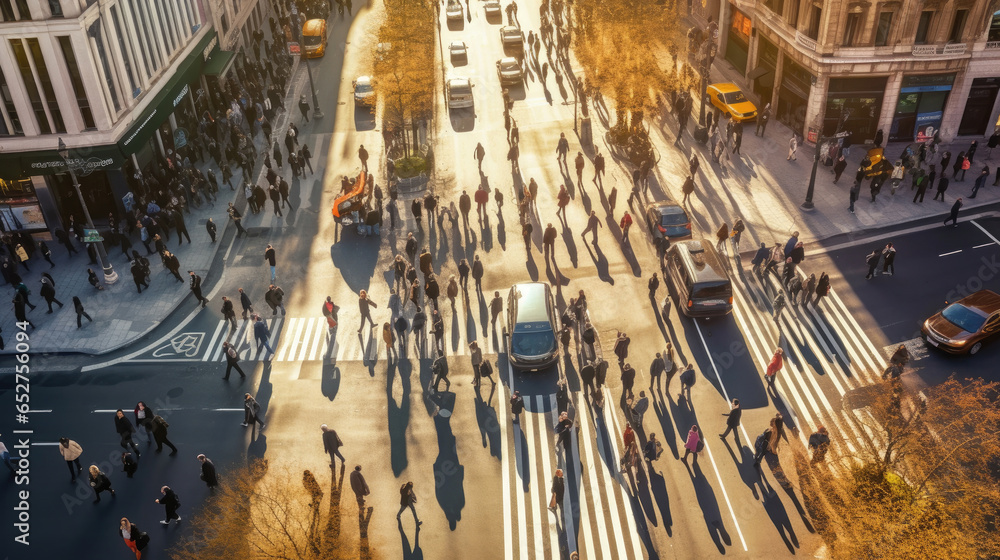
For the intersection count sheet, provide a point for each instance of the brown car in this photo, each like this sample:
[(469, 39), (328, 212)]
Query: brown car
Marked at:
[(962, 327)]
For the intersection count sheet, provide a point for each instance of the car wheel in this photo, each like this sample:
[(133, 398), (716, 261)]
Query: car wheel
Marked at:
[(975, 348)]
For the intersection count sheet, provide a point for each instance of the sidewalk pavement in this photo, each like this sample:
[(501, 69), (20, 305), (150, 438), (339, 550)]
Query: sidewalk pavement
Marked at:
[(767, 190), (120, 314)]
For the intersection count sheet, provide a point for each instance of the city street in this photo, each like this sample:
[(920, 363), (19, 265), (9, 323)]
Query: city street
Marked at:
[(483, 480)]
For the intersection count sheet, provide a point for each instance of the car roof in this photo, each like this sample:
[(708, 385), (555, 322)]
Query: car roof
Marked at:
[(984, 300), (700, 258), (510, 29), (458, 43), (532, 305), (458, 81), (725, 87), (668, 207), (508, 60), (313, 25), (364, 80)]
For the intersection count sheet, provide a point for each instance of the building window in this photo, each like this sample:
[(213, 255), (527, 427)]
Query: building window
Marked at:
[(224, 19), (102, 55), (168, 38), (74, 77), (7, 10), (22, 9), (126, 54), (776, 6), (142, 31), (958, 26), (923, 27), (56, 8), (8, 104), (852, 29), (46, 81), (815, 18), (30, 86), (882, 31)]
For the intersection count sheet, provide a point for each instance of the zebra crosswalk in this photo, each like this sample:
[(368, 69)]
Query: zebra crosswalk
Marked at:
[(820, 343), (597, 517), (303, 339)]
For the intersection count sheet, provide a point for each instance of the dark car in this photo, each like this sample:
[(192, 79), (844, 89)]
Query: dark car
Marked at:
[(532, 321), (667, 220), (697, 279), (965, 325)]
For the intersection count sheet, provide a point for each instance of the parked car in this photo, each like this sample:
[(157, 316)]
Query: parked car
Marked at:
[(731, 101), (965, 325), (667, 221), (458, 51), (454, 10), (459, 93), (512, 37), (532, 324), (363, 92), (509, 70), (492, 8)]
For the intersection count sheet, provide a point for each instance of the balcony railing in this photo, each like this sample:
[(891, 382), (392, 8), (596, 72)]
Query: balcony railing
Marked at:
[(805, 40), (950, 49), (992, 45)]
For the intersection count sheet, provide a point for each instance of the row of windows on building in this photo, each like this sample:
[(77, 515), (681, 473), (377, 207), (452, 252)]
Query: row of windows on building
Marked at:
[(156, 32), (18, 9), (855, 24)]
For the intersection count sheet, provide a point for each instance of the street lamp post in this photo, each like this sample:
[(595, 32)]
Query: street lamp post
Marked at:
[(110, 276), (808, 204), (317, 113)]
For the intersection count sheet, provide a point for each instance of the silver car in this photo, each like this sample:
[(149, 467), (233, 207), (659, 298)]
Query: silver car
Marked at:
[(512, 37), (509, 70), (454, 10), (459, 93)]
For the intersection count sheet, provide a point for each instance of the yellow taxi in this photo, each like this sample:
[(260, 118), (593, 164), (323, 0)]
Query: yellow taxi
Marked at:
[(731, 101), (314, 37)]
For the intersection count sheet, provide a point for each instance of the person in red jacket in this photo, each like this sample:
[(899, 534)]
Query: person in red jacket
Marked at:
[(482, 197), (777, 361), (625, 224)]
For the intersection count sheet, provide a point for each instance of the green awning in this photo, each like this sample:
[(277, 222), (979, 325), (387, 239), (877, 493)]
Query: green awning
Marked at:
[(172, 93), (219, 63), (85, 160)]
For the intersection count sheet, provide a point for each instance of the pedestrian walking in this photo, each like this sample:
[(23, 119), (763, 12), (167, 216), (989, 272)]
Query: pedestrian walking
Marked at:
[(625, 224), (389, 339), (558, 491), (125, 431), (822, 288), (262, 334), (208, 473), (245, 303), (251, 411), (889, 259), (819, 442), (360, 487), (160, 434), (363, 156), (762, 120), (43, 248), (980, 181), (687, 188), (793, 147), (737, 234), (196, 288), (129, 465), (274, 298), (407, 498), (760, 447), (593, 223), (100, 483), (777, 362), (692, 445), (365, 305), (144, 419), (579, 169), (622, 342), (599, 169), (942, 186), (855, 193), (733, 421), (71, 451), (516, 405), (687, 381), (439, 373), (48, 292), (232, 360), (237, 219), (653, 285), (563, 429), (562, 148), (135, 539), (838, 168), (170, 503), (270, 257), (229, 314), (638, 410), (332, 445), (872, 261), (779, 305), (721, 236), (478, 154)]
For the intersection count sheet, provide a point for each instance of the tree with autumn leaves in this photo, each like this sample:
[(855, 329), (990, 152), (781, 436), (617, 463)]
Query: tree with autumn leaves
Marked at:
[(405, 72), (926, 485), (620, 45)]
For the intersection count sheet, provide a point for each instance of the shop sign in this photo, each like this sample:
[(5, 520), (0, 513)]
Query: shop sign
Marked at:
[(927, 125), (294, 49)]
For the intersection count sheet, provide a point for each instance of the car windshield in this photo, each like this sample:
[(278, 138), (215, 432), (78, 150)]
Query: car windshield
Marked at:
[(533, 343), (734, 97), (461, 89), (509, 66), (712, 290), (362, 88), (312, 40), (963, 317), (669, 220)]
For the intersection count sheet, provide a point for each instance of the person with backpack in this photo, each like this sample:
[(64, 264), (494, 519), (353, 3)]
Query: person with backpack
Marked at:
[(251, 411), (653, 449), (232, 360), (170, 502), (687, 381), (332, 445), (819, 442), (406, 500), (160, 434), (760, 446)]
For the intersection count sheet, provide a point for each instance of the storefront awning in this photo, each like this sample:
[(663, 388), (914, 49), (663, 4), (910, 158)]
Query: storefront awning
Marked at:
[(758, 72), (219, 63), (84, 160), (166, 100)]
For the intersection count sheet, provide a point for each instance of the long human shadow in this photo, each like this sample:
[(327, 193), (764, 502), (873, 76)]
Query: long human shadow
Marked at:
[(567, 235), (258, 441), (355, 257), (658, 489), (398, 414), (501, 232), (600, 263), (411, 553), (449, 473), (709, 507), (333, 518), (330, 382), (486, 417)]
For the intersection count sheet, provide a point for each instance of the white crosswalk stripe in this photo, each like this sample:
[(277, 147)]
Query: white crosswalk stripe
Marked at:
[(606, 526)]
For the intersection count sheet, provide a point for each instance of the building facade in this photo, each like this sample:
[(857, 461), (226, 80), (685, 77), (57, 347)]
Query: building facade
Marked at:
[(120, 81), (911, 68)]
